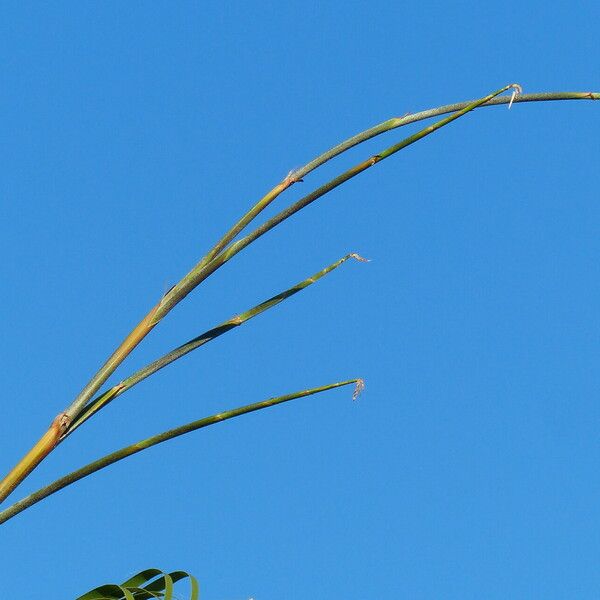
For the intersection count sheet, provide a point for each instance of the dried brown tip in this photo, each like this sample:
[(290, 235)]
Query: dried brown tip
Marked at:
[(358, 257), (358, 388), (516, 87)]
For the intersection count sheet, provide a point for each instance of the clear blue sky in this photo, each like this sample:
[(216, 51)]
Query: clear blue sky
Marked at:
[(134, 133)]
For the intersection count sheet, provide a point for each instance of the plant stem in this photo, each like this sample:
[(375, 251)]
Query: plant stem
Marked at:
[(62, 421), (298, 174), (198, 274), (201, 271), (114, 457), (205, 270), (104, 399), (236, 247), (42, 448), (193, 279), (222, 252), (396, 122)]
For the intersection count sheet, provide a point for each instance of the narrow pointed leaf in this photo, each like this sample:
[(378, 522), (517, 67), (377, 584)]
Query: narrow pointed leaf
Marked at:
[(208, 336), (108, 592), (114, 457)]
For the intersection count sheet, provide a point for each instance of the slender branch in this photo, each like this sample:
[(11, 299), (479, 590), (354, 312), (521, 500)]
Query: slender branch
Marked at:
[(114, 457), (101, 401), (62, 421), (200, 272), (142, 329), (206, 268), (194, 278), (238, 246), (221, 253), (396, 122), (42, 448), (243, 221)]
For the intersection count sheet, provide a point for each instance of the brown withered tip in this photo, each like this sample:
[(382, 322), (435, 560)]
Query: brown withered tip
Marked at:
[(358, 257), (358, 388)]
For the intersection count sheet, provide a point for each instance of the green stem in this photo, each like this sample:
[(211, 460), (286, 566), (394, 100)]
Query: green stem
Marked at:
[(222, 252), (236, 247), (396, 122), (363, 136), (101, 401), (203, 269), (114, 457)]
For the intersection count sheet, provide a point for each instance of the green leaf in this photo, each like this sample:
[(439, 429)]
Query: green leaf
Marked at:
[(142, 577), (156, 588), (108, 592), (166, 582)]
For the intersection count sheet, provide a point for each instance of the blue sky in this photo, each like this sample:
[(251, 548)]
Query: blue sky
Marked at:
[(135, 133)]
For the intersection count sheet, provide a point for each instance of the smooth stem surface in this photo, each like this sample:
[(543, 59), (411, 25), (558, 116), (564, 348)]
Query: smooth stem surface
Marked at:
[(396, 122), (241, 224), (114, 457), (207, 266), (236, 247), (34, 457), (340, 179), (202, 270), (104, 399), (199, 272), (143, 328), (193, 279), (390, 124)]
